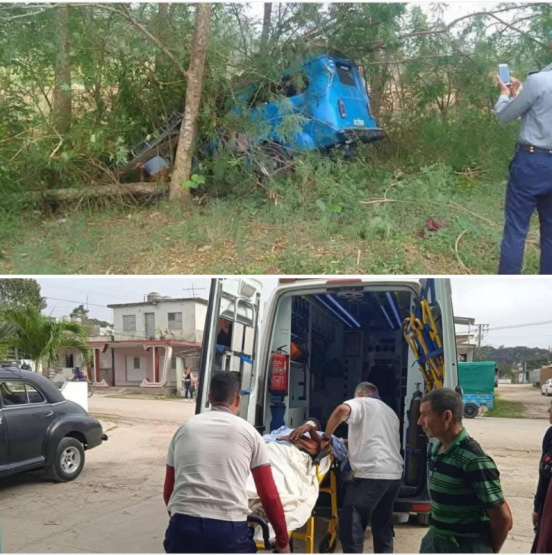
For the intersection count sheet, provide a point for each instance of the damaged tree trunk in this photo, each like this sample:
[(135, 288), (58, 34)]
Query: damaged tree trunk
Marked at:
[(266, 27), (194, 85), (62, 72)]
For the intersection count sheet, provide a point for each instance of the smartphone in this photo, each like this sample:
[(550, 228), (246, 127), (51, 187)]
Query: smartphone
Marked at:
[(504, 73)]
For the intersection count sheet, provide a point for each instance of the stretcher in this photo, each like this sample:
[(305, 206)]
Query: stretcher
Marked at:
[(326, 468)]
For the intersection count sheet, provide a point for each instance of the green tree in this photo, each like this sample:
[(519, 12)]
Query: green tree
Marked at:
[(41, 337), (18, 292)]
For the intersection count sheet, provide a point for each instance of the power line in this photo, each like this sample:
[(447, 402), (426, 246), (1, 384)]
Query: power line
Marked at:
[(76, 302), (543, 323), (80, 290)]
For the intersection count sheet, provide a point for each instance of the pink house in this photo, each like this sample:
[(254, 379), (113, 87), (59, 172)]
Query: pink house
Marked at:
[(152, 342)]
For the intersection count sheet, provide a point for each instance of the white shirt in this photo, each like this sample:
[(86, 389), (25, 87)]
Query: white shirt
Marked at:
[(374, 440), (212, 454)]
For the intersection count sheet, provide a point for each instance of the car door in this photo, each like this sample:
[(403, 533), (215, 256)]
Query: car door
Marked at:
[(27, 414), (231, 338), (4, 441)]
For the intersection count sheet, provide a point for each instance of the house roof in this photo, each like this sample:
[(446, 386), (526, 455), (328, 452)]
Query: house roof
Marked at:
[(160, 300)]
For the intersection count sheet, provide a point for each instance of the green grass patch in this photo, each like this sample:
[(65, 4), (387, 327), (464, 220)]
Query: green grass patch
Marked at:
[(329, 216), (506, 409)]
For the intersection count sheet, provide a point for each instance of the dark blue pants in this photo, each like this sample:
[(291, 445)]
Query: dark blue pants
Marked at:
[(368, 501), (190, 534), (529, 188)]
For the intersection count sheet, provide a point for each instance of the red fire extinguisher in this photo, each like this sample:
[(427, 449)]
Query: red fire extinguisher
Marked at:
[(279, 372)]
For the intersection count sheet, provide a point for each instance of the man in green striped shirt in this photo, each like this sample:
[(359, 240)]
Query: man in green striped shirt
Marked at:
[(468, 512)]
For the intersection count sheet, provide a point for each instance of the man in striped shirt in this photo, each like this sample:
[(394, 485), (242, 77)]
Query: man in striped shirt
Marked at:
[(468, 512)]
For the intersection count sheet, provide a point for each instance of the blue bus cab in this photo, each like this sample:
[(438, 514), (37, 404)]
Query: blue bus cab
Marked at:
[(321, 104)]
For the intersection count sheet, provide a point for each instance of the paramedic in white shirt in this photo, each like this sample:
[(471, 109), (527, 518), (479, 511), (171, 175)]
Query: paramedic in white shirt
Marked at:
[(377, 465), (208, 463)]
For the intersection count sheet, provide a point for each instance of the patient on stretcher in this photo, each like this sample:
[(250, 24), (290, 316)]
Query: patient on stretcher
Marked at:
[(294, 467)]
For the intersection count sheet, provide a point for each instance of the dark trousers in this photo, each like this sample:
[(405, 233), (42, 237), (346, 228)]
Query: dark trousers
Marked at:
[(367, 501), (190, 534), (529, 188), (187, 384), (432, 543)]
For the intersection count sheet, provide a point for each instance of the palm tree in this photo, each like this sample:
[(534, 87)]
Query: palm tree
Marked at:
[(7, 331), (40, 337)]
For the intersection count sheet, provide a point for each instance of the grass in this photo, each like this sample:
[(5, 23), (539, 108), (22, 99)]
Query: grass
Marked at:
[(330, 217), (505, 409)]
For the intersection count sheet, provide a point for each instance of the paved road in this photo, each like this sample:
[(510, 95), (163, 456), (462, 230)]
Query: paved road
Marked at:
[(116, 504)]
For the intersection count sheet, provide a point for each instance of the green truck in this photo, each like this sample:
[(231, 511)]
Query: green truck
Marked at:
[(478, 380)]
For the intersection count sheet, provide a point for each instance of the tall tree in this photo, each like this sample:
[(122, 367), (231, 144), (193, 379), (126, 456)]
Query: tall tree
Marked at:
[(18, 292), (41, 337), (80, 312), (62, 108), (266, 26), (194, 85)]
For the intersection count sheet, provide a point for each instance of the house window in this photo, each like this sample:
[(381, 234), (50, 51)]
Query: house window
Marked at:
[(129, 323), (69, 361), (136, 363), (173, 363), (175, 320)]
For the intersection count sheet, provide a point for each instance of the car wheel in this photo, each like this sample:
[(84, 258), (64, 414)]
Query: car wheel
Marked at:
[(470, 410), (69, 461)]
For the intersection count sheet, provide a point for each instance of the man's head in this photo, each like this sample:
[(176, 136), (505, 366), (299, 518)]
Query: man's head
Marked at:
[(365, 389), (441, 412), (225, 390)]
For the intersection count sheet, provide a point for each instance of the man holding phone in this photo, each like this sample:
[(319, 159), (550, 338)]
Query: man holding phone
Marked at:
[(530, 182)]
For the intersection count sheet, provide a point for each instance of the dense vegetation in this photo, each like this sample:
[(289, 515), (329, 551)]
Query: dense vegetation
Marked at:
[(81, 85)]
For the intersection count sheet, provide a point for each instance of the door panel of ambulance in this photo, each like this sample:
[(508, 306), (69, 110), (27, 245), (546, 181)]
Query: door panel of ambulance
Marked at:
[(231, 338), (443, 296)]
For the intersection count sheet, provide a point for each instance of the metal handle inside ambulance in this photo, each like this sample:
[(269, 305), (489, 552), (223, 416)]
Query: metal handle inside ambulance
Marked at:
[(247, 304)]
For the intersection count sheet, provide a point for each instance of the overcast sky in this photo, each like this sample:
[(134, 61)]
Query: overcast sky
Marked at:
[(490, 300)]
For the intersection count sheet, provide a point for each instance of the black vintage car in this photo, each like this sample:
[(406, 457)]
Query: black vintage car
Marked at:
[(39, 428)]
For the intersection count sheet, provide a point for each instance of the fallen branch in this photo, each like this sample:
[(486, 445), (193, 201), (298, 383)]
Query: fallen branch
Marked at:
[(456, 251), (56, 196)]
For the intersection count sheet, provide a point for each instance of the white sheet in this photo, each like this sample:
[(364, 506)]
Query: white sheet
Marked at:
[(296, 481)]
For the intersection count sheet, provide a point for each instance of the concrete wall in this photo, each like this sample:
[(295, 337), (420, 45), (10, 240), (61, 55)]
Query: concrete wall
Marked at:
[(125, 374), (193, 320)]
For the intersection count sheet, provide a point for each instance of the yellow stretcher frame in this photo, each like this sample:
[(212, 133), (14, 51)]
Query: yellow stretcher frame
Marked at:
[(433, 369), (308, 535)]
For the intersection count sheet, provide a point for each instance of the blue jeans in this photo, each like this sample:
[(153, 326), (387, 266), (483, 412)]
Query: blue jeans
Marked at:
[(529, 188), (191, 534)]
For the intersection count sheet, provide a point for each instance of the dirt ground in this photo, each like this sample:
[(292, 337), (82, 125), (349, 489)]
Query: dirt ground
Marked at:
[(534, 403), (116, 505)]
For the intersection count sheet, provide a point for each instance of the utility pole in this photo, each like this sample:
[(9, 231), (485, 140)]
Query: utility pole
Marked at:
[(481, 329)]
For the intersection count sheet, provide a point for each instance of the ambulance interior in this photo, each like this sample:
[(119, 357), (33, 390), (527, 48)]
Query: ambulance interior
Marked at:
[(337, 338)]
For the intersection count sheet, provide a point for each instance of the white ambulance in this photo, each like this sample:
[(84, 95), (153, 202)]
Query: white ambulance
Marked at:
[(319, 338)]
